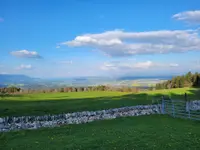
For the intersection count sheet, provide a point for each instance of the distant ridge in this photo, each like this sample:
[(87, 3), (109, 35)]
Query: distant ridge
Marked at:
[(144, 77), (25, 82), (13, 77)]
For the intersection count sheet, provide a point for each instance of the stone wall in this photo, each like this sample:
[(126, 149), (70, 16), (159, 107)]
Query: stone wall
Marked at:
[(195, 105), (35, 122)]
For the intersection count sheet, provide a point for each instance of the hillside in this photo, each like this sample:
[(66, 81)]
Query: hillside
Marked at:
[(55, 103)]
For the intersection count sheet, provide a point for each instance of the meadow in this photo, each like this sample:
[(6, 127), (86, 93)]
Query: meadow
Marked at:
[(154, 132), (55, 103), (143, 132)]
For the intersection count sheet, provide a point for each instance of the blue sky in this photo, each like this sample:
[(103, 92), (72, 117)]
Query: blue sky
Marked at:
[(66, 38)]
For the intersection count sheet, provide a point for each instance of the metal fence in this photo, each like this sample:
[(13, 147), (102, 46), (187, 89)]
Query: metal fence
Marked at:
[(180, 109)]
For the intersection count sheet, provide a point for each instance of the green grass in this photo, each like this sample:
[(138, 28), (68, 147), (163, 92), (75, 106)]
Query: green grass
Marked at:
[(145, 132), (177, 91), (54, 103)]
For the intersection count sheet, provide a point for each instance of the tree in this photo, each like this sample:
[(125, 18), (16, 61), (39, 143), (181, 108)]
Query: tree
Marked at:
[(181, 82), (177, 82), (3, 93), (187, 80), (61, 89), (195, 79), (188, 77)]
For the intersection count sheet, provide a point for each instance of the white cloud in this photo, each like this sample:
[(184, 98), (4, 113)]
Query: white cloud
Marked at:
[(65, 62), (121, 43), (109, 66), (25, 54), (1, 19), (173, 65), (127, 66), (144, 65), (192, 17), (122, 66), (24, 67)]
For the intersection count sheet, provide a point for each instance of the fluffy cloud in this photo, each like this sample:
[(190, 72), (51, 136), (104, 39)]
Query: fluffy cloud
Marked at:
[(117, 66), (109, 66), (125, 66), (144, 65), (121, 43), (192, 17), (26, 54), (25, 67)]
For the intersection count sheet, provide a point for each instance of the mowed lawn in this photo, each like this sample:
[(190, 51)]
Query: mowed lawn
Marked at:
[(154, 132), (54, 103)]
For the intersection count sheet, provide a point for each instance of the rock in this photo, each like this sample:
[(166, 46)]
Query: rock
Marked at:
[(1, 126), (35, 122), (1, 120)]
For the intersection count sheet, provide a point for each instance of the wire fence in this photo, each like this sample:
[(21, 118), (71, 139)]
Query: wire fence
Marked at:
[(181, 108)]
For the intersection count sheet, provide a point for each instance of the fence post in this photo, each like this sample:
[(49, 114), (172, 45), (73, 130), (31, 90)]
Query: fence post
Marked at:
[(185, 96), (186, 104), (163, 106), (189, 109)]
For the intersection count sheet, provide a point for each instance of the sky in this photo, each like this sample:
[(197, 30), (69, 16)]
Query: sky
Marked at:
[(71, 38)]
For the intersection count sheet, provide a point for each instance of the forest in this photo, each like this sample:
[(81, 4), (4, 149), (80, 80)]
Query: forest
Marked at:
[(187, 80), (10, 90)]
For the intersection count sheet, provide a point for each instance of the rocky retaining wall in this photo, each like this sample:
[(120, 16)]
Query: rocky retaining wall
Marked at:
[(195, 105), (35, 122)]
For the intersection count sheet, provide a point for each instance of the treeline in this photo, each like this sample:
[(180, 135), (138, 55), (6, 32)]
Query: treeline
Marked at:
[(10, 90), (188, 80), (85, 89), (71, 89)]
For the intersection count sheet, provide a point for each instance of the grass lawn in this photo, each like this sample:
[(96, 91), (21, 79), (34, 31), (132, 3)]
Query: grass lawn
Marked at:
[(145, 132), (54, 103)]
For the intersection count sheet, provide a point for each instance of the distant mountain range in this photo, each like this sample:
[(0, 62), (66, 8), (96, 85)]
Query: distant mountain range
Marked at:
[(24, 81), (144, 77), (13, 78), (17, 80)]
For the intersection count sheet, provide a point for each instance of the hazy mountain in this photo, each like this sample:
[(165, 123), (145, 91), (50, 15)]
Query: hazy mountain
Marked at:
[(144, 77), (24, 81), (14, 79)]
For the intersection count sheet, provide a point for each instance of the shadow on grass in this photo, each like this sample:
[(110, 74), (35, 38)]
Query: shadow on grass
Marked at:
[(17, 107)]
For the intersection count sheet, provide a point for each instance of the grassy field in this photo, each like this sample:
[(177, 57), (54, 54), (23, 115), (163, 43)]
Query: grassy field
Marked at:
[(144, 132), (54, 103)]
